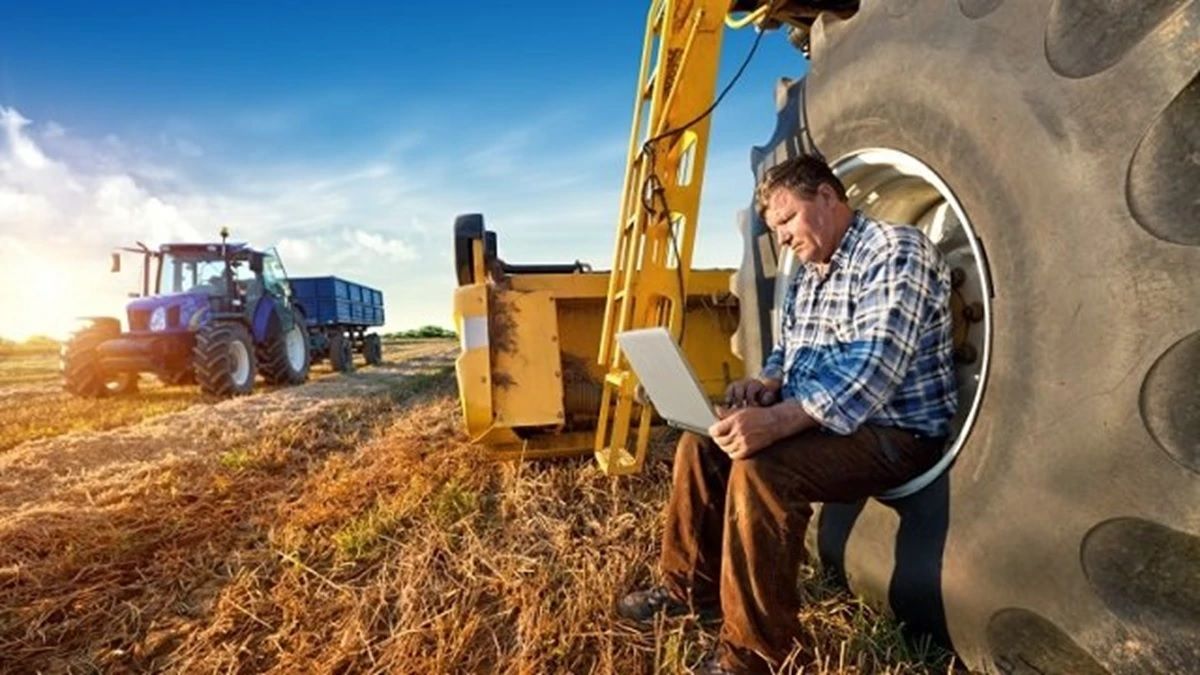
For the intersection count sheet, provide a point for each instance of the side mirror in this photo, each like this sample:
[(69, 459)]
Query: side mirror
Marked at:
[(116, 262)]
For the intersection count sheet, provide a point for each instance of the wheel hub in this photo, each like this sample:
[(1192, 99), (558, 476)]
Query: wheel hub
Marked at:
[(295, 348), (240, 366)]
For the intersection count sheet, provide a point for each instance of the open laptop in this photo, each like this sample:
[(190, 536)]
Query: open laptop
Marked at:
[(668, 379)]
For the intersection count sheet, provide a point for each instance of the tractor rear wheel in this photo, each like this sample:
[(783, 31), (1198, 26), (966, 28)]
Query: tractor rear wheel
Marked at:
[(1066, 537), (82, 373), (284, 357), (373, 349), (341, 355), (224, 359)]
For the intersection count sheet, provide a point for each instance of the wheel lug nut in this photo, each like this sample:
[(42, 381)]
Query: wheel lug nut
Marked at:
[(973, 312), (965, 354)]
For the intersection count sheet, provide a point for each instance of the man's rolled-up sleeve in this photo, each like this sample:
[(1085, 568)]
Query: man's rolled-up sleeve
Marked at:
[(854, 380), (773, 368)]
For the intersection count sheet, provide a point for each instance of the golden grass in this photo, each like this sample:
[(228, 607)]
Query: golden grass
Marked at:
[(33, 405), (369, 537)]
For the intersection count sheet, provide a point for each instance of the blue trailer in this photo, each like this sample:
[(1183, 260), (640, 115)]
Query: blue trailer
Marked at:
[(339, 313)]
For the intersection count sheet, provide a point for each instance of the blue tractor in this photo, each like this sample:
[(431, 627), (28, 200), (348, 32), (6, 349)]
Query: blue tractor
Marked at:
[(215, 315)]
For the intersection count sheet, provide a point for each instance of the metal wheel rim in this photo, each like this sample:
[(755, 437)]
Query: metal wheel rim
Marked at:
[(893, 185), (295, 348), (240, 356)]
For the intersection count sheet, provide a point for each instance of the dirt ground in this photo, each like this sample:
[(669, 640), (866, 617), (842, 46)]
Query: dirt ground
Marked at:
[(345, 525)]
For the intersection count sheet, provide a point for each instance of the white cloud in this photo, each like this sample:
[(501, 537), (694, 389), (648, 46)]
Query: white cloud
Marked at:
[(393, 249), (53, 130), (22, 148)]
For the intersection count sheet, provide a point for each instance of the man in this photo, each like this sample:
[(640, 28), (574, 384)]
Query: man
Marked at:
[(855, 399)]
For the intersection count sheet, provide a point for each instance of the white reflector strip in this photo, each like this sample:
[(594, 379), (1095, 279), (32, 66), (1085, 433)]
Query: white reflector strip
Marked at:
[(475, 332)]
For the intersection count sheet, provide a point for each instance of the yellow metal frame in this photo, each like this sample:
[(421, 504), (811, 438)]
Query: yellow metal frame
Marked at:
[(660, 204)]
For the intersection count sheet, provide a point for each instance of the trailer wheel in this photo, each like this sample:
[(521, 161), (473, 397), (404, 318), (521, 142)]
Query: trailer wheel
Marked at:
[(224, 359), (341, 355), (1067, 535), (284, 358), (82, 374), (373, 349)]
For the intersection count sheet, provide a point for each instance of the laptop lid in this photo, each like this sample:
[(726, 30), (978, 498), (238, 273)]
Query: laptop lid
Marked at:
[(667, 378)]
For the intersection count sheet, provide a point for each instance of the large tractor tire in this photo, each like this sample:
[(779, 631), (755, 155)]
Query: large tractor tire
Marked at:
[(82, 374), (373, 350), (284, 357), (341, 354), (1059, 140), (224, 360)]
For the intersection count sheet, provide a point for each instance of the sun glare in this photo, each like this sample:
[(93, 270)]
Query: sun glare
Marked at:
[(47, 299)]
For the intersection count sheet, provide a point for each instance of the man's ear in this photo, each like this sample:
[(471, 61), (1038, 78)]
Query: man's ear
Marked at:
[(827, 194)]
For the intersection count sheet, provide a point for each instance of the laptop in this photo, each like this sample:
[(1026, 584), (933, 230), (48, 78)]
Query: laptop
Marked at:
[(668, 379)]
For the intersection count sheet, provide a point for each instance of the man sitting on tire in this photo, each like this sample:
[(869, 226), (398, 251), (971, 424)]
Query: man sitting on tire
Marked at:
[(856, 399)]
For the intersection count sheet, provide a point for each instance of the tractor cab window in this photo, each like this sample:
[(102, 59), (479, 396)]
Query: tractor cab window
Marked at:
[(247, 281), (192, 274), (274, 276)]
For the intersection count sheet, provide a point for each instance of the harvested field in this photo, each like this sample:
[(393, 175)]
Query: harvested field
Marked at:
[(342, 526)]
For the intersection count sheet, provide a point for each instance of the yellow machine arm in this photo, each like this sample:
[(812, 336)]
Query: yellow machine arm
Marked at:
[(660, 203)]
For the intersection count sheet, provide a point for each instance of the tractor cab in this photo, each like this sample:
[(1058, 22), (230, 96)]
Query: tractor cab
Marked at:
[(183, 281), (202, 269)]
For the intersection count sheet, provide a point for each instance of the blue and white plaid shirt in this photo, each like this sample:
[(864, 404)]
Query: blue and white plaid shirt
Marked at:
[(871, 341)]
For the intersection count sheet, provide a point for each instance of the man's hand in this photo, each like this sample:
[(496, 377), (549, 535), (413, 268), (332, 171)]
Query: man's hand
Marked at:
[(744, 432), (752, 391)]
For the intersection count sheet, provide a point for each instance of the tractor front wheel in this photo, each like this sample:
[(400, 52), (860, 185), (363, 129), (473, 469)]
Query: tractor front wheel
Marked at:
[(82, 374), (224, 360)]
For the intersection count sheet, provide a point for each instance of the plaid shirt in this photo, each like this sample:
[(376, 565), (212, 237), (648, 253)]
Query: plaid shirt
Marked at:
[(871, 342)]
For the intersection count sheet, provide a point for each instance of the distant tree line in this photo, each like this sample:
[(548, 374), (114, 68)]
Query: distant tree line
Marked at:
[(32, 345), (423, 332)]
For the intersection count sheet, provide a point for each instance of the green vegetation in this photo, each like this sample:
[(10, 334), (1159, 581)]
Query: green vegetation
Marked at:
[(424, 332)]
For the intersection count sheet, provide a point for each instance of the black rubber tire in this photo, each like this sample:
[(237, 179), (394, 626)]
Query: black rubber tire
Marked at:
[(341, 355), (373, 349), (273, 361), (82, 374), (1065, 538), (214, 363)]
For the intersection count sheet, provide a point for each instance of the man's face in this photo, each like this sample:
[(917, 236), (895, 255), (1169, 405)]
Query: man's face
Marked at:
[(809, 227)]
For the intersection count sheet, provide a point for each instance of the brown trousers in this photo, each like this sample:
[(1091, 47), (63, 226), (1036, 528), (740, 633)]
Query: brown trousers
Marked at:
[(735, 529)]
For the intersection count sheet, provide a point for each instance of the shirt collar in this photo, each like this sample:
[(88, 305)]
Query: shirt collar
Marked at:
[(849, 241)]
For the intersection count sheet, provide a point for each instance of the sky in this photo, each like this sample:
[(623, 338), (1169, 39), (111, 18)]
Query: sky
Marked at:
[(347, 138)]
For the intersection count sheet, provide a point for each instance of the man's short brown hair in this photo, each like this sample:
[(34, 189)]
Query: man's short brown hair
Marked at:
[(802, 175)]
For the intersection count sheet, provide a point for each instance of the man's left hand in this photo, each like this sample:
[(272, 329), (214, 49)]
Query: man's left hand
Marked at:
[(745, 431)]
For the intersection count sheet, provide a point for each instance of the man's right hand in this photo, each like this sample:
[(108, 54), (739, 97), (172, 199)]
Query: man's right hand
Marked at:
[(753, 392)]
